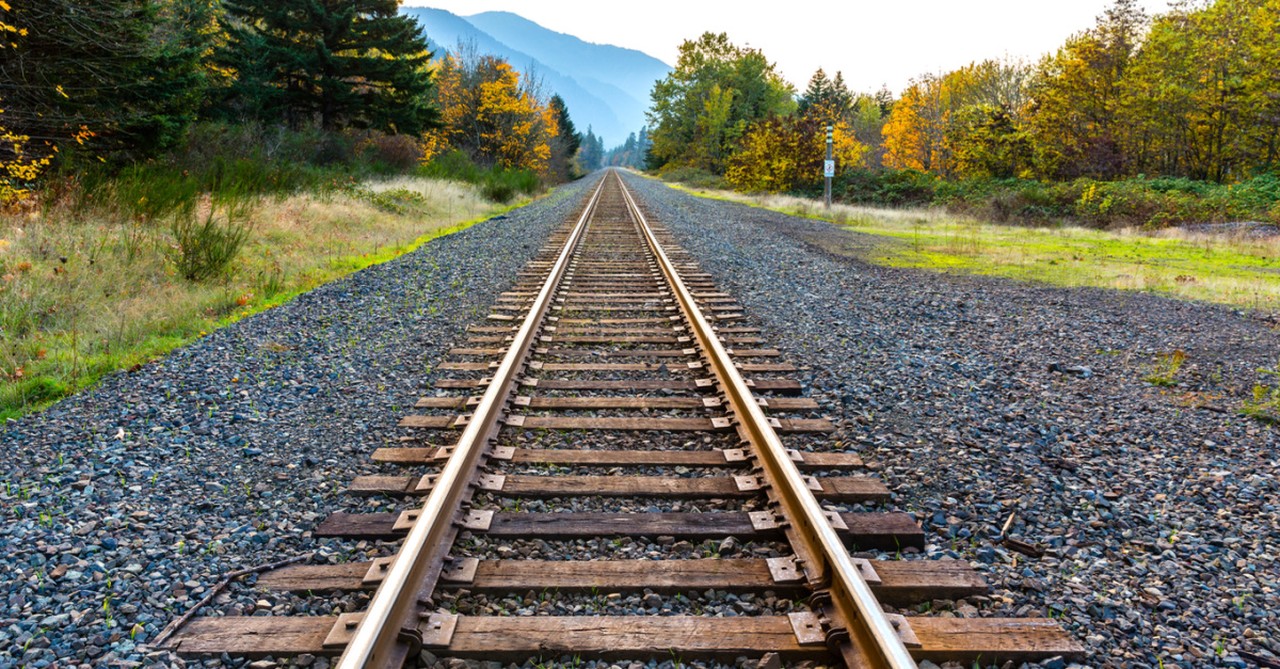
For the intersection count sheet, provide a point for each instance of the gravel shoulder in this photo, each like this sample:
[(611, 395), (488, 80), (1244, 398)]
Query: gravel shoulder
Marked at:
[(1159, 520), (123, 505)]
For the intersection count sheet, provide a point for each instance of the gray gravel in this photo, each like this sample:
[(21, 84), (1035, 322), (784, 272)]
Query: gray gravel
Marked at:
[(1160, 520), (126, 503), (123, 505)]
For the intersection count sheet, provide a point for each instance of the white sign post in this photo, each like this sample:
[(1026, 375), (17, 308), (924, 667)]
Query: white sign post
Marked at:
[(829, 166)]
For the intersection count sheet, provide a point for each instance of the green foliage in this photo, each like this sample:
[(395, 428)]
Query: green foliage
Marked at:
[(497, 184), (206, 243), (693, 176), (830, 97), (339, 64), (705, 105), (1202, 96), (591, 155), (220, 158), (564, 146), (634, 152), (1150, 203), (1265, 403), (117, 78), (502, 185)]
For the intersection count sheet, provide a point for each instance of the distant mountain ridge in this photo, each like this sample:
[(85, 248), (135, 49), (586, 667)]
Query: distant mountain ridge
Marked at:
[(605, 87)]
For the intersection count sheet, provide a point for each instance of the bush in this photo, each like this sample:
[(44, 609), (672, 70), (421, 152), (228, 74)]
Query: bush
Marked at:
[(693, 176), (497, 184), (906, 187), (503, 185), (1144, 202), (397, 153), (454, 165)]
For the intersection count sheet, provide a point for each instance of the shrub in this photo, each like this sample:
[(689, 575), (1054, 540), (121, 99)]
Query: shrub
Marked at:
[(693, 176), (906, 187), (496, 184), (497, 190), (395, 201), (397, 152), (455, 165)]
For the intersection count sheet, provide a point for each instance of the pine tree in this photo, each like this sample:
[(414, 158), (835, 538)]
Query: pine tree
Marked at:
[(119, 76), (591, 156), (337, 63), (564, 147)]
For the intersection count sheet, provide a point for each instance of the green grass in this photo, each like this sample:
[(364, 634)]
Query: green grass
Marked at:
[(1237, 271), (85, 293)]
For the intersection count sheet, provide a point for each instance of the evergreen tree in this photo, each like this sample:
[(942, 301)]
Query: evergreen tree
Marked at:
[(565, 145), (642, 148), (830, 99), (591, 156), (338, 63), (119, 76)]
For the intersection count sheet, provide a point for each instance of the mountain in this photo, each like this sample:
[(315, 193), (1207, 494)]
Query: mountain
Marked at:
[(605, 87)]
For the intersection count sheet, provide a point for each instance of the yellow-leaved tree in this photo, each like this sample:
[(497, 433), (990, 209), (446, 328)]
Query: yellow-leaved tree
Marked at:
[(490, 114), (780, 153)]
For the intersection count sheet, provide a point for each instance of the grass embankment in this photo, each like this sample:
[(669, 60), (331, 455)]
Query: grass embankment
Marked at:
[(1228, 269), (89, 289)]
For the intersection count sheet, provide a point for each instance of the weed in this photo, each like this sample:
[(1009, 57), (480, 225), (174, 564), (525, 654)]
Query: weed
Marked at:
[(1265, 405), (206, 244), (1164, 368), (271, 282)]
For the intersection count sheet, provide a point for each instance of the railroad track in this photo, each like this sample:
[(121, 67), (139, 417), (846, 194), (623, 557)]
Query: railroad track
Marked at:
[(619, 394)]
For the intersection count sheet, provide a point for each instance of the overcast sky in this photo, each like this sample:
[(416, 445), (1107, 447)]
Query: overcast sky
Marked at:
[(873, 43)]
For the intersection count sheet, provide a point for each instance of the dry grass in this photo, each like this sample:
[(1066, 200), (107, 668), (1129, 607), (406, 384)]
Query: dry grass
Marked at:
[(85, 294)]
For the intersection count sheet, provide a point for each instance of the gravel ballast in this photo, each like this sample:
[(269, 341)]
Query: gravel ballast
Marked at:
[(123, 505), (983, 398), (973, 398)]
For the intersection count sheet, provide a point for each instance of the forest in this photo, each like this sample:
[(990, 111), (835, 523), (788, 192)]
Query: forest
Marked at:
[(128, 82), (170, 166), (1139, 120)]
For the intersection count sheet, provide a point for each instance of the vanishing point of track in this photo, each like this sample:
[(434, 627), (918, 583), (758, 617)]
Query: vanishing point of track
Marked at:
[(616, 359)]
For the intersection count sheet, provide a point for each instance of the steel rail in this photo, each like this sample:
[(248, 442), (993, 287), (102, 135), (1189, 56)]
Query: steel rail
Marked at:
[(856, 606), (393, 607)]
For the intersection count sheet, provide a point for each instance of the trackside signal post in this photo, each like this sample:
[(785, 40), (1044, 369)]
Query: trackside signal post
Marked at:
[(828, 167)]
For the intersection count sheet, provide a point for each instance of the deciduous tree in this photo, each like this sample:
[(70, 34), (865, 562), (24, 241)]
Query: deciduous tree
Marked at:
[(783, 152), (488, 113), (1076, 96), (705, 105)]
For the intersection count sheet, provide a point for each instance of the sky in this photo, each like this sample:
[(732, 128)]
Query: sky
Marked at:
[(886, 42)]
